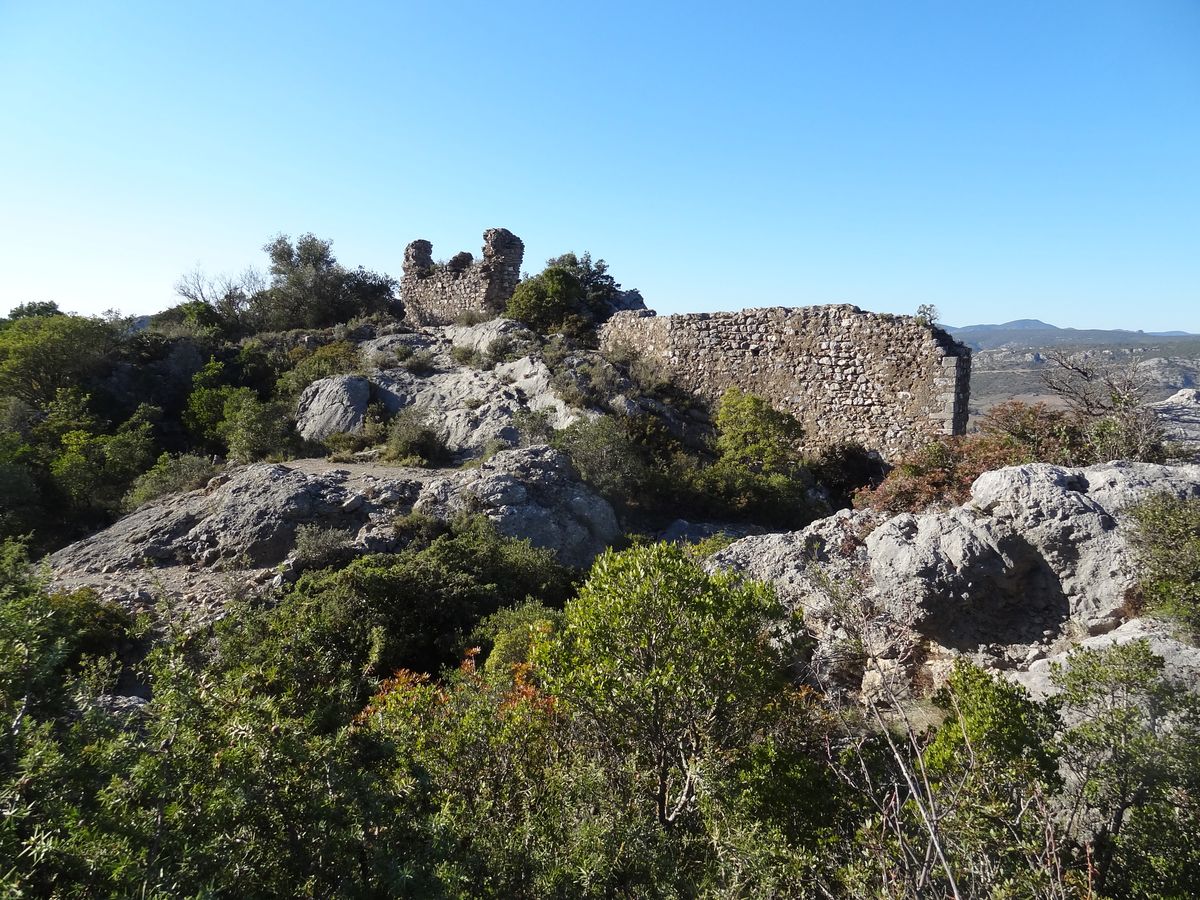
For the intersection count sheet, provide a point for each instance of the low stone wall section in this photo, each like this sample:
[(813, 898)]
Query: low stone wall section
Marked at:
[(891, 383)]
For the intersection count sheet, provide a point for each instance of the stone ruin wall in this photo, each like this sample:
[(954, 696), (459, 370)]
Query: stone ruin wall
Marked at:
[(888, 382), (438, 294)]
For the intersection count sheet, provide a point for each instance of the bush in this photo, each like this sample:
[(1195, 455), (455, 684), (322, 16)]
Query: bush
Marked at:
[(753, 435), (507, 637), (1166, 539), (419, 362), (469, 356), (169, 475), (254, 430), (338, 358), (552, 301), (374, 431), (533, 427), (605, 457), (320, 548), (471, 317), (940, 473), (337, 633), (1041, 433), (412, 441)]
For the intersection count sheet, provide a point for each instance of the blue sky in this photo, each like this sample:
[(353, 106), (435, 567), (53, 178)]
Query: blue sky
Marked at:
[(999, 160)]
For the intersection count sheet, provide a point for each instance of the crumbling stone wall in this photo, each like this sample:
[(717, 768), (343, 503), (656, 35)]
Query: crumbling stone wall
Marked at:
[(439, 294), (891, 383)]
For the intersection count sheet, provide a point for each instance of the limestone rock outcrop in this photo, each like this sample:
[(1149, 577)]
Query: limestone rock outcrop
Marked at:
[(1038, 557), (1180, 415), (332, 405), (531, 493), (197, 550)]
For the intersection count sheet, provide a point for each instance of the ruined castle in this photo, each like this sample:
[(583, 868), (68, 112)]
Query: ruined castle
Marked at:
[(891, 383), (440, 294)]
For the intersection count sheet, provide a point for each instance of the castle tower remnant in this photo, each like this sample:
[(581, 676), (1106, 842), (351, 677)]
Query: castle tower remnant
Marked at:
[(436, 294)]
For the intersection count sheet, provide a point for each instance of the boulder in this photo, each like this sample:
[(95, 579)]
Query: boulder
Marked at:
[(1181, 662), (530, 493), (469, 408), (1037, 557), (197, 550), (332, 405), (1180, 416), (481, 337)]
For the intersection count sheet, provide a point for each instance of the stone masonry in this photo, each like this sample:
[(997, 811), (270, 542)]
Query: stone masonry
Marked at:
[(438, 294), (891, 383)]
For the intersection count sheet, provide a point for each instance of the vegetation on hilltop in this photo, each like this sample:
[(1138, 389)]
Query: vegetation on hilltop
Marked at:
[(466, 717)]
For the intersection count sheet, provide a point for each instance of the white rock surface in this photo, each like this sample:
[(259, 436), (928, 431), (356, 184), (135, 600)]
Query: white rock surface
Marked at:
[(332, 405), (1038, 556), (1181, 661), (196, 550)]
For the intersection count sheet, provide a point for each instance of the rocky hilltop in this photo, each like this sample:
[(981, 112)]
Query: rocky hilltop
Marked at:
[(193, 552)]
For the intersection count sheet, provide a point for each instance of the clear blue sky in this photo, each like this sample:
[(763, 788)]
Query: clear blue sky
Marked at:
[(998, 159)]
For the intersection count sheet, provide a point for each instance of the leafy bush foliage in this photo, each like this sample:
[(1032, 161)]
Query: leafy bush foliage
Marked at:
[(549, 302), (310, 289), (252, 429), (338, 358), (1167, 541), (320, 548), (412, 441), (169, 475), (604, 455), (940, 473)]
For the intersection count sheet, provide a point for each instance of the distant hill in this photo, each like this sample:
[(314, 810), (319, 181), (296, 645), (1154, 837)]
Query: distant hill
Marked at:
[(1035, 333)]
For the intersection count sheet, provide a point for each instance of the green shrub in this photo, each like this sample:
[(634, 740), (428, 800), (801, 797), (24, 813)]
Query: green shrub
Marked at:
[(605, 457), (337, 633), (338, 358), (419, 362), (412, 441), (255, 430), (169, 475), (1166, 539), (501, 350), (319, 548), (507, 636), (552, 301), (753, 435), (471, 317), (469, 356), (533, 427)]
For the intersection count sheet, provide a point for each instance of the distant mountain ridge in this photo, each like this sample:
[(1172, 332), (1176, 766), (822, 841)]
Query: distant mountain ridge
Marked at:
[(1034, 332)]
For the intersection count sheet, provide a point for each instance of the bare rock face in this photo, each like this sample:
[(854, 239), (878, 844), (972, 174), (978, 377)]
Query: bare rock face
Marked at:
[(332, 405), (469, 408), (1181, 661), (1036, 558), (238, 534), (1180, 415), (482, 337), (530, 493)]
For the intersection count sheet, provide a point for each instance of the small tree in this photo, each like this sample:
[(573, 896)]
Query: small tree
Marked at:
[(1133, 736), (753, 434), (1109, 405), (667, 668), (1167, 541), (549, 302)]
